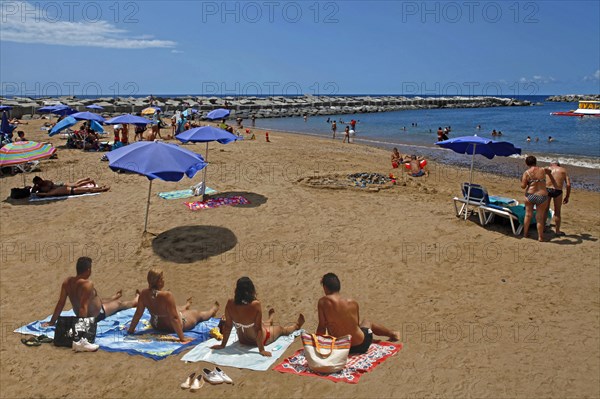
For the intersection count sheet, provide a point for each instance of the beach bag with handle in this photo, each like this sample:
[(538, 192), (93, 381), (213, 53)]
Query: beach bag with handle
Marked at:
[(326, 354)]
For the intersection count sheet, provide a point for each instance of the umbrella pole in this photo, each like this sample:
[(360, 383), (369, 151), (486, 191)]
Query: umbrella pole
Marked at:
[(204, 176), (470, 181), (147, 206)]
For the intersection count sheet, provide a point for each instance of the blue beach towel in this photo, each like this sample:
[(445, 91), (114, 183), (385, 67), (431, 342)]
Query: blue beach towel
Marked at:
[(238, 355), (180, 194), (112, 335)]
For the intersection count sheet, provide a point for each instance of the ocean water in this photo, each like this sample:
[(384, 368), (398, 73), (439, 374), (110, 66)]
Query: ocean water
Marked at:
[(576, 140)]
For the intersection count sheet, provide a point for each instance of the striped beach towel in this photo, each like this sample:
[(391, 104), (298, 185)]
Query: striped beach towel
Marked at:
[(216, 202)]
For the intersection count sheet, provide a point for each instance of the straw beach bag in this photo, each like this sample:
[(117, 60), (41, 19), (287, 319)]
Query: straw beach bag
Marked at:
[(326, 354)]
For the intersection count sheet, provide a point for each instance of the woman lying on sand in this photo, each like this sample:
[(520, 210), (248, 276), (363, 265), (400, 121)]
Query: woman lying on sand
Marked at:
[(41, 185), (165, 315), (244, 312)]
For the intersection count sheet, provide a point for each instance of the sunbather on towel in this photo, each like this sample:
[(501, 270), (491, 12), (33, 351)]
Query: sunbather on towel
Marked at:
[(84, 297), (165, 315), (64, 191), (244, 312), (339, 316), (43, 186)]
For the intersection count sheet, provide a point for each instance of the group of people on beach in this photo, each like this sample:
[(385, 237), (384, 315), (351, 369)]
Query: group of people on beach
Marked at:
[(417, 166), (542, 185), (338, 316)]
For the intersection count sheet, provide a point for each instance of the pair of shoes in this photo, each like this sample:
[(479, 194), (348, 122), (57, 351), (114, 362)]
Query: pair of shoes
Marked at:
[(217, 376), (193, 383), (84, 346)]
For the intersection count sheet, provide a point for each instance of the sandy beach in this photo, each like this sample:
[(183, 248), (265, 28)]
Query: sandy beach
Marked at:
[(482, 313)]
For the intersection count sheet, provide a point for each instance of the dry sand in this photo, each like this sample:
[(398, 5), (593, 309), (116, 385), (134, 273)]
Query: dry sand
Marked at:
[(482, 313)]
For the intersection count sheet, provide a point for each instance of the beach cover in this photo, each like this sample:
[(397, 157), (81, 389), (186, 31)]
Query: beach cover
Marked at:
[(357, 365), (180, 194), (238, 355), (216, 202), (112, 335)]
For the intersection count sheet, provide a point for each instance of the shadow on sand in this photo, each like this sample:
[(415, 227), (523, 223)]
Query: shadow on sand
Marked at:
[(188, 244)]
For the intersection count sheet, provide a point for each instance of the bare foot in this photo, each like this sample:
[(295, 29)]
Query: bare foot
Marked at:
[(269, 321), (188, 303), (118, 295), (395, 336), (300, 321), (215, 309)]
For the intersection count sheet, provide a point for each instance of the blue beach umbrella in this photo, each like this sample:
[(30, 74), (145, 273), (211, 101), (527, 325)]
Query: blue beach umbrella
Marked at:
[(478, 145), (218, 113), (87, 116), (128, 119), (4, 107), (94, 106), (206, 134), (155, 160), (62, 125)]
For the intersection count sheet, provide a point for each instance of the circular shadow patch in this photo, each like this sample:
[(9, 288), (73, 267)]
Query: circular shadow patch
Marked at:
[(188, 244)]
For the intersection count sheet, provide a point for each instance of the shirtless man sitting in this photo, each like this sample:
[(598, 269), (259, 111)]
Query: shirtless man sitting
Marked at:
[(556, 191), (339, 316), (415, 167), (84, 298), (165, 315)]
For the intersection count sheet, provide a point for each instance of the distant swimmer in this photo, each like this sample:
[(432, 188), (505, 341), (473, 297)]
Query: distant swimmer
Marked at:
[(478, 127), (550, 139), (494, 133), (499, 133), (528, 139)]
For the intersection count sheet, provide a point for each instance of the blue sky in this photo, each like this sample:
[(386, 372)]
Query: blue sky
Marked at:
[(294, 47)]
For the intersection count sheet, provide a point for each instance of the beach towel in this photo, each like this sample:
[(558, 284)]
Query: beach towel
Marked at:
[(181, 194), (358, 364), (111, 335), (519, 211), (35, 328), (216, 202), (35, 198), (238, 355)]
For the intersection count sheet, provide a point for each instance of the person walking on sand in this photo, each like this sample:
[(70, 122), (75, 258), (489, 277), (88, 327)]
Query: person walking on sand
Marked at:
[(244, 312), (333, 128), (555, 191), (346, 134), (534, 183), (339, 316), (85, 299), (164, 314)]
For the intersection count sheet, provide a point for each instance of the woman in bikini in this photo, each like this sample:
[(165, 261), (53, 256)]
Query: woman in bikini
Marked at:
[(536, 194), (244, 312), (164, 314)]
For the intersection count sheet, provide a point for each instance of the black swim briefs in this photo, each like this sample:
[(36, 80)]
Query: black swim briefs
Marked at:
[(364, 347), (553, 193)]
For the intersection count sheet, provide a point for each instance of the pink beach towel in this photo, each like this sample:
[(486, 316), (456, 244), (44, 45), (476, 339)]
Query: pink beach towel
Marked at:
[(216, 202), (357, 364)]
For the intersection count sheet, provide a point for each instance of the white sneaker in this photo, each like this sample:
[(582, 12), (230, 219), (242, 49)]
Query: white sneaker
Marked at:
[(84, 346), (213, 377), (223, 376)]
